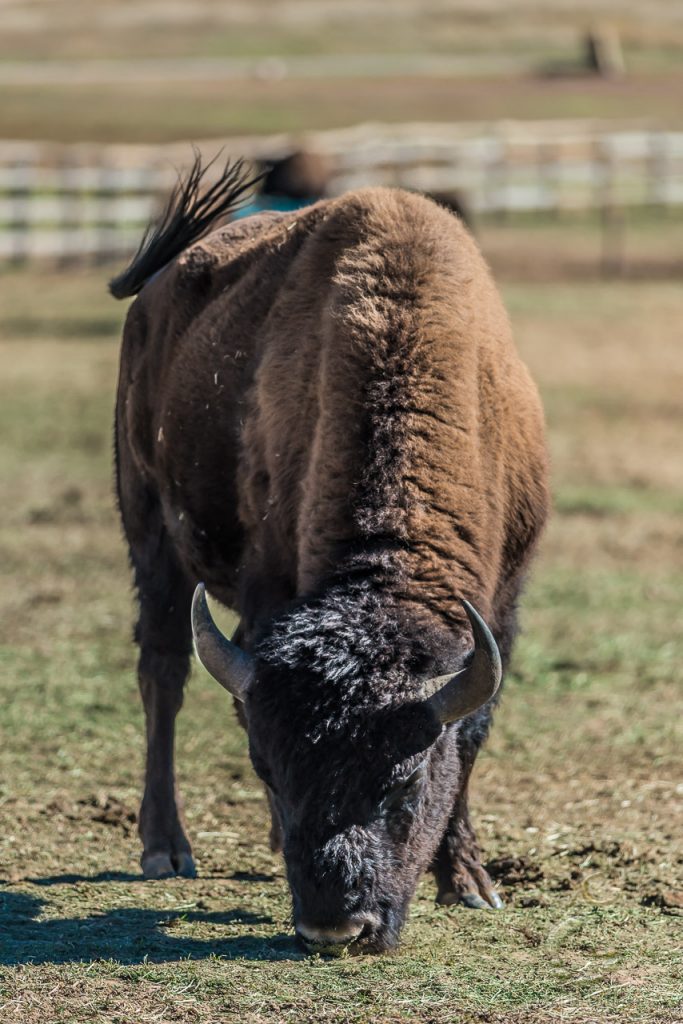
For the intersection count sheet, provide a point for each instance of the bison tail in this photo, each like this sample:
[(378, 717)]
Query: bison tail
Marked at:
[(189, 213)]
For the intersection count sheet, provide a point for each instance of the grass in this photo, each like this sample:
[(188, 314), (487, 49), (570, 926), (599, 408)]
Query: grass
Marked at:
[(576, 795), (530, 61), (165, 111), (536, 30)]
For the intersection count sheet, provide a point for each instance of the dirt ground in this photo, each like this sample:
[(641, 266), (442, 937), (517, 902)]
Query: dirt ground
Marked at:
[(577, 796)]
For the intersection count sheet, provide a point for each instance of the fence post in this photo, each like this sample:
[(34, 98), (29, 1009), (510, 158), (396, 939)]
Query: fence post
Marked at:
[(658, 165), (102, 195), (67, 254), (611, 213), (19, 224), (547, 162)]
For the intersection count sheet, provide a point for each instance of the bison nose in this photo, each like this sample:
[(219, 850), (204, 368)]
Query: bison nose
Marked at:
[(334, 940)]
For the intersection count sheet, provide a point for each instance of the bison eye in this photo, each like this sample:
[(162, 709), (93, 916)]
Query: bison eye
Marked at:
[(402, 792)]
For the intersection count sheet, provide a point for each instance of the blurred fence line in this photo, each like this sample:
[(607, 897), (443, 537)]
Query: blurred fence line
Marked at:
[(83, 202)]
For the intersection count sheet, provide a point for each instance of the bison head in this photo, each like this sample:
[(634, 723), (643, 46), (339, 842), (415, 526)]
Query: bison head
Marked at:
[(357, 745)]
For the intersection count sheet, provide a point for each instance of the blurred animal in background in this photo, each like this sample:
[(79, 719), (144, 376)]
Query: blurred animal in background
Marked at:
[(325, 421), (454, 202), (289, 183)]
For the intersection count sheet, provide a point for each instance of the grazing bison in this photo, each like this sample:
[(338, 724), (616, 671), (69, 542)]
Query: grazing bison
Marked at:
[(322, 416)]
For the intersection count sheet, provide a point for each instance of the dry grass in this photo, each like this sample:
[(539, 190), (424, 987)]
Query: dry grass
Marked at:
[(165, 111), (515, 43), (576, 796), (536, 28)]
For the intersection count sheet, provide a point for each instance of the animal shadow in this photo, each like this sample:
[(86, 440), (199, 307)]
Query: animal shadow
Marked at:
[(128, 935), (71, 879)]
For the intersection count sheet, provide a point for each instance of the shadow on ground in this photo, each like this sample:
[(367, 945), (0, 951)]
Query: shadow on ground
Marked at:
[(71, 879), (128, 935), (126, 876)]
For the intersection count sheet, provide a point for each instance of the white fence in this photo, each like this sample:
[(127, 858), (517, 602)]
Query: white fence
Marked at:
[(79, 203)]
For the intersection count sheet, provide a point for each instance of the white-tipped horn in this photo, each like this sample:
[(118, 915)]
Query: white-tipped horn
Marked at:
[(454, 696), (232, 667)]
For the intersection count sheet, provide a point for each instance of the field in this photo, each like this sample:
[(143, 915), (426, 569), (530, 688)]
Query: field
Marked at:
[(155, 72), (168, 110), (532, 29), (577, 796)]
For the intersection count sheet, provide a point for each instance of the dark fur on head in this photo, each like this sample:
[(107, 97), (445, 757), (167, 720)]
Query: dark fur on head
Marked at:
[(358, 643), (335, 729)]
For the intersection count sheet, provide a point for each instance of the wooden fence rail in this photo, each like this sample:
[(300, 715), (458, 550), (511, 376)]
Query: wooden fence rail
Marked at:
[(81, 203)]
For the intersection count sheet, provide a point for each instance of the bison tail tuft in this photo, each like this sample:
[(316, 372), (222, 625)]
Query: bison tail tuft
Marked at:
[(188, 215)]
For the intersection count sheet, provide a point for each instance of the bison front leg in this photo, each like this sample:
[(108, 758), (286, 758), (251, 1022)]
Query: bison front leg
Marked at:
[(457, 867), (164, 636), (460, 875), (166, 848)]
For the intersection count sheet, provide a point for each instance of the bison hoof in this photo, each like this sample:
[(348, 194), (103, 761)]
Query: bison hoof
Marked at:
[(168, 865), (476, 902), (472, 900), (470, 888)]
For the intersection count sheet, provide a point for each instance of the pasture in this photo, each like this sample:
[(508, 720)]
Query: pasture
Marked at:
[(162, 111), (577, 796), (153, 72)]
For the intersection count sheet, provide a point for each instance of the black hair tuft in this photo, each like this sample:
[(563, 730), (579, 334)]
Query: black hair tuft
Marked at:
[(187, 216)]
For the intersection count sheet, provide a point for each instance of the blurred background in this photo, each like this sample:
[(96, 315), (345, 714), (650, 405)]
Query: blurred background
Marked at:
[(557, 112), (555, 129), (564, 117)]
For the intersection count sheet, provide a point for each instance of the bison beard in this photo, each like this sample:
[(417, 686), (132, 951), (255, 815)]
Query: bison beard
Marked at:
[(323, 416)]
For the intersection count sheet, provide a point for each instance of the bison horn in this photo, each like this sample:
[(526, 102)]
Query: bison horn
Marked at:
[(454, 696), (224, 660)]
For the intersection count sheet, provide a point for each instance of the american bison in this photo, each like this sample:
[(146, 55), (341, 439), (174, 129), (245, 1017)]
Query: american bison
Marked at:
[(322, 416)]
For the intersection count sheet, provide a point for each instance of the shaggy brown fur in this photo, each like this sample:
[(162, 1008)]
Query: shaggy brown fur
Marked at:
[(323, 416)]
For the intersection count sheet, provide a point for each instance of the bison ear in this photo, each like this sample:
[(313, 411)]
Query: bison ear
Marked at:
[(454, 696), (232, 667)]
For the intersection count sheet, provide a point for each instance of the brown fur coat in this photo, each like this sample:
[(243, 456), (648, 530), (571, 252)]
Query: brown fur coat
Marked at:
[(307, 390)]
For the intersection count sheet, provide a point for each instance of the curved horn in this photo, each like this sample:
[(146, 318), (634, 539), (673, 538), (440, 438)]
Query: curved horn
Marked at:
[(222, 659), (454, 696)]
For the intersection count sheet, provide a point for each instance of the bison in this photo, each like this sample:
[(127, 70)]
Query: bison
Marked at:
[(322, 419)]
